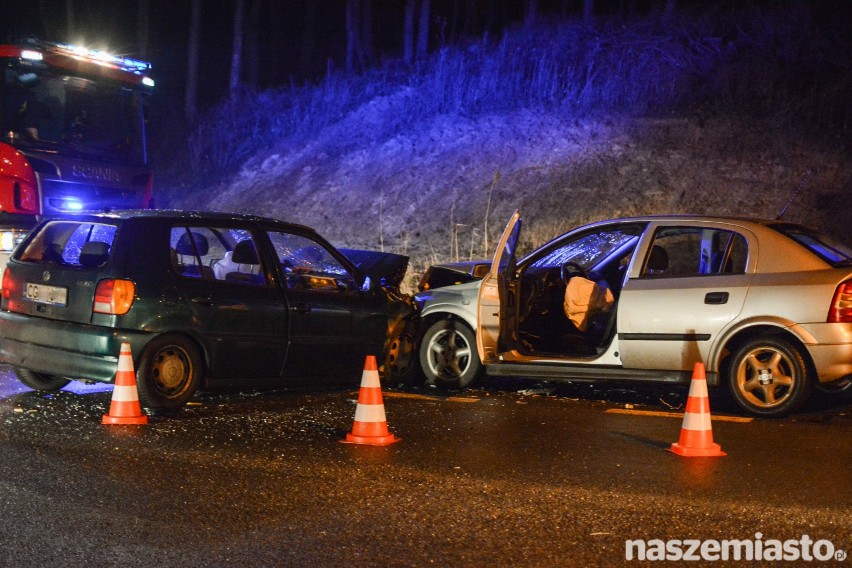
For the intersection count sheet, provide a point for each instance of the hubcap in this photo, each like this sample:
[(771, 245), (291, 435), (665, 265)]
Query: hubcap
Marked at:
[(449, 354), (765, 377), (172, 369)]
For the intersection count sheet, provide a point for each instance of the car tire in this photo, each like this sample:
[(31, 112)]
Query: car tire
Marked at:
[(40, 381), (768, 377), (398, 364), (169, 373), (448, 356)]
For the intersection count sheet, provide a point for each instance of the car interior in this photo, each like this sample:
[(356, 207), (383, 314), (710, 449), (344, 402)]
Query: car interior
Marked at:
[(544, 324)]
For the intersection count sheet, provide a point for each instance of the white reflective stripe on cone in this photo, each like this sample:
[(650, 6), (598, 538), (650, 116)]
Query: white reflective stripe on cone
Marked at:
[(698, 389), (125, 393), (370, 413), (694, 421), (371, 379)]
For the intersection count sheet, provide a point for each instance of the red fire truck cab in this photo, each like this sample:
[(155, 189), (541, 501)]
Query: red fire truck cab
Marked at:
[(72, 122)]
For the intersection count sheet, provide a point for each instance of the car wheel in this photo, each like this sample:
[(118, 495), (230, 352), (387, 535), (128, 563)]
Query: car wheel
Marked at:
[(448, 354), (398, 365), (768, 377), (169, 372), (40, 381)]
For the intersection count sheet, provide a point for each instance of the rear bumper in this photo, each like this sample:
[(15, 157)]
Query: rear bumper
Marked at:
[(74, 350), (830, 348)]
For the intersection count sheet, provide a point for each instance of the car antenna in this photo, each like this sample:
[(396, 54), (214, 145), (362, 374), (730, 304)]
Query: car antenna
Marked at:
[(796, 192)]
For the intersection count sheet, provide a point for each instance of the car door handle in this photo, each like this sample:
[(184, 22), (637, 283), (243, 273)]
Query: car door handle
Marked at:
[(716, 298), (206, 301), (302, 308)]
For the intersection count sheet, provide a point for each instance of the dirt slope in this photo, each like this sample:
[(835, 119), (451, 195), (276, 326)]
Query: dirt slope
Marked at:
[(425, 191)]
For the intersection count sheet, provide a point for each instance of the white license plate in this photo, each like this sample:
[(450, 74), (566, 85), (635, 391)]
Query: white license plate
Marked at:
[(44, 294)]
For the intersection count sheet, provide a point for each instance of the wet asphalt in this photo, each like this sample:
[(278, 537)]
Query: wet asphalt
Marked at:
[(516, 474)]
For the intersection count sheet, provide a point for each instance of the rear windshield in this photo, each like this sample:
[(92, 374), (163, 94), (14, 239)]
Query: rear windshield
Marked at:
[(70, 243), (832, 251)]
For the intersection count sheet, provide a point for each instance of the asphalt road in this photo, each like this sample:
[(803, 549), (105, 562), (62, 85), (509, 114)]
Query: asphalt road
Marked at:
[(518, 474)]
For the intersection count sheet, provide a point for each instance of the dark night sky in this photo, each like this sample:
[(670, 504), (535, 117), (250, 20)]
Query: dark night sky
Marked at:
[(112, 25), (279, 33)]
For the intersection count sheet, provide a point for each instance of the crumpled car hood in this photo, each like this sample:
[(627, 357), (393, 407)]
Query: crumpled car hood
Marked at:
[(379, 265)]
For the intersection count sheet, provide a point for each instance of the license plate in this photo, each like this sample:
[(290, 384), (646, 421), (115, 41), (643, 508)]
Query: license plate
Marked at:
[(44, 294)]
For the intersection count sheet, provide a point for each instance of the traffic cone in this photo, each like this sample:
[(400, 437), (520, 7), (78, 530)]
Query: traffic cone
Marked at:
[(371, 426), (125, 408), (696, 434)]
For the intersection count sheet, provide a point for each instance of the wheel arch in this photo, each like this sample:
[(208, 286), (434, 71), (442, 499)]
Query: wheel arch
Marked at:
[(774, 328), (429, 317), (197, 341)]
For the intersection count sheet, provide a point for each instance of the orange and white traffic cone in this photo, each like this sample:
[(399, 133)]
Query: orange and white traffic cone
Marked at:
[(125, 408), (371, 426), (696, 434)]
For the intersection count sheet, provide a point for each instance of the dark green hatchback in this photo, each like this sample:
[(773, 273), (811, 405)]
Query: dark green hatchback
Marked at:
[(205, 300)]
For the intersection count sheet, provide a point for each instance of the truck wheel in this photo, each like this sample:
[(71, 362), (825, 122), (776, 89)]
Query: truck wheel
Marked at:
[(448, 355), (768, 377), (40, 381), (169, 373)]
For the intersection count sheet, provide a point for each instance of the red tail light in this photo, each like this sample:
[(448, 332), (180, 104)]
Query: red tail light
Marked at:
[(114, 297), (841, 304), (7, 284)]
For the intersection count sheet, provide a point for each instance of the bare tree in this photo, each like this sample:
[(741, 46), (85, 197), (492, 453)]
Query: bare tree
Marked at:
[(354, 49), (143, 20), (423, 31), (307, 48), (253, 44), (69, 14), (367, 31), (531, 12), (191, 100), (588, 10), (408, 33), (237, 49)]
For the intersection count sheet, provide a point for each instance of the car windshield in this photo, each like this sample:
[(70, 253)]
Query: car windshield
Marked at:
[(832, 251), (95, 118), (588, 249)]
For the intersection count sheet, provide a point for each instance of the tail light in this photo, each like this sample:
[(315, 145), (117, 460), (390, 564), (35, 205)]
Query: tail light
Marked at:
[(841, 304), (114, 297), (7, 284)]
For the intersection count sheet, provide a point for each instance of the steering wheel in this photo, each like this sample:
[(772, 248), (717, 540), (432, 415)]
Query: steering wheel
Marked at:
[(571, 269)]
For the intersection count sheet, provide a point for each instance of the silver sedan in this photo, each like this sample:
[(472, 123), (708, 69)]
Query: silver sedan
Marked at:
[(765, 305)]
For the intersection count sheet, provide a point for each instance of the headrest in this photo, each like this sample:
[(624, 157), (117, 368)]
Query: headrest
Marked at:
[(659, 259), (244, 253), (94, 253), (184, 244)]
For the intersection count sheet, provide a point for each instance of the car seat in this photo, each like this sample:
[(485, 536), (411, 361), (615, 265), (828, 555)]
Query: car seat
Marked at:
[(658, 261), (186, 248), (246, 263)]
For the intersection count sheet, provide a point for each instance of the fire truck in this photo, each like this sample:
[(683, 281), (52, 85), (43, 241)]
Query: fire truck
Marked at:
[(72, 121)]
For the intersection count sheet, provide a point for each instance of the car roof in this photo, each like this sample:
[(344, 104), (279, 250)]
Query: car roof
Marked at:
[(182, 215)]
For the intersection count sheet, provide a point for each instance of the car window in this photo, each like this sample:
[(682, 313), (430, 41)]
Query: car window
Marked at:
[(308, 265), (695, 251), (67, 243), (217, 253), (588, 249), (827, 248)]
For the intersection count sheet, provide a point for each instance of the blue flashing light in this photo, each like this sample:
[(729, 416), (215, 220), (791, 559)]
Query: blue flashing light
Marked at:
[(73, 205)]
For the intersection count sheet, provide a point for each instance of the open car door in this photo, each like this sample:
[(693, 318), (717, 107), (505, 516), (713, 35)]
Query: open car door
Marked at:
[(495, 307)]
